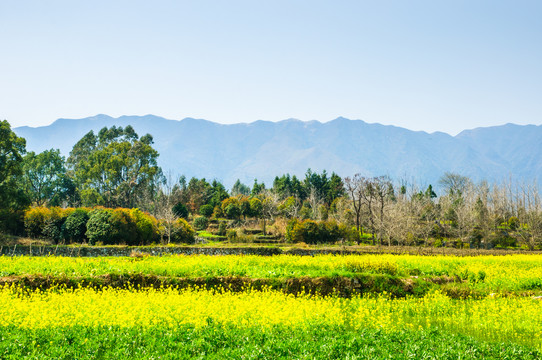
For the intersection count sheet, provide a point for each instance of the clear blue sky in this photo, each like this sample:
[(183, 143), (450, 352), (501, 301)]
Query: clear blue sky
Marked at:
[(424, 65)]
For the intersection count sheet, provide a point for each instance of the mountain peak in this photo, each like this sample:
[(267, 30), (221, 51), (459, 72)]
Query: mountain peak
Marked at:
[(265, 149)]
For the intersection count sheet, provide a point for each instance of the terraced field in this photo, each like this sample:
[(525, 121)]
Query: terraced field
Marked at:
[(365, 306)]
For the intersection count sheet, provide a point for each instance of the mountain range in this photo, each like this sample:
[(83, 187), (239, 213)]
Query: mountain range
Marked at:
[(262, 149)]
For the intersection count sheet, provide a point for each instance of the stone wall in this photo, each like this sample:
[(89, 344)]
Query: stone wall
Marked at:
[(95, 251)]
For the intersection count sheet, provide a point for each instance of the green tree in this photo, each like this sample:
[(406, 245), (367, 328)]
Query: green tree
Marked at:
[(257, 189), (116, 168), (12, 197), (45, 177), (335, 188), (198, 193), (218, 193), (240, 189)]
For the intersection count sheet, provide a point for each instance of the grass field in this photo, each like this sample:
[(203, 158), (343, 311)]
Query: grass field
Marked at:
[(203, 322)]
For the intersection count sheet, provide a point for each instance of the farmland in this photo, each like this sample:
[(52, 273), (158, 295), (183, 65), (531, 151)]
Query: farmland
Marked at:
[(233, 306)]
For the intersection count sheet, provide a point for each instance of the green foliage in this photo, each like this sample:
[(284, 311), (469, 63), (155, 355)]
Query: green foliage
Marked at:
[(124, 228), (244, 206), (240, 189), (42, 222), (34, 221), (13, 199), (183, 232), (218, 193), (180, 210), (513, 223), (200, 223), (313, 232), (121, 227), (45, 177), (75, 226), (219, 341), (256, 207), (146, 226), (100, 226), (54, 224), (231, 234), (206, 210), (114, 168), (198, 193), (257, 188), (285, 186), (222, 228), (232, 211)]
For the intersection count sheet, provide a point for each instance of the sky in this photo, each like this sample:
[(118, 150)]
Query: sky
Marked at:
[(423, 65)]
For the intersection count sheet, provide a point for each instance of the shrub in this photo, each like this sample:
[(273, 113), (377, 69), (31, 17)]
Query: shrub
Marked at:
[(42, 222), (34, 221), (183, 232), (231, 235), (312, 232), (206, 210), (232, 211), (54, 221), (217, 212), (125, 228), (180, 210), (200, 223), (75, 226), (291, 230), (146, 227), (100, 226), (222, 228)]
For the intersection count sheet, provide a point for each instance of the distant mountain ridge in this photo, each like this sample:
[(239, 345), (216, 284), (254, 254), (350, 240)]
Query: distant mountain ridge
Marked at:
[(264, 149)]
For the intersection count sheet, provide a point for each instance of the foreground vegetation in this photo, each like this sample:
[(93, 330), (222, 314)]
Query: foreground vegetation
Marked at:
[(499, 316), (214, 341), (493, 319), (481, 275)]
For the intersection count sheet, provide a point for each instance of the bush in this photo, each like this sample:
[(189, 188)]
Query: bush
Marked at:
[(231, 235), (206, 210), (54, 221), (180, 210), (183, 232), (100, 226), (146, 227), (312, 232), (75, 226), (200, 223), (34, 221), (232, 211), (222, 228), (125, 228), (42, 222)]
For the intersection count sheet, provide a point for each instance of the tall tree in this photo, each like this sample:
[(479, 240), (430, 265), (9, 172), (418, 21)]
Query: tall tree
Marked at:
[(45, 177), (240, 189), (12, 197), (114, 168), (355, 187), (199, 193)]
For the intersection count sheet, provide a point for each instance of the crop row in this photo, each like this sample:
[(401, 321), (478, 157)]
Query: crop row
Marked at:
[(514, 273), (494, 319)]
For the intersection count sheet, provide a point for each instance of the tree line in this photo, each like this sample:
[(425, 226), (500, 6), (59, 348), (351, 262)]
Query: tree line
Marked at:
[(116, 168)]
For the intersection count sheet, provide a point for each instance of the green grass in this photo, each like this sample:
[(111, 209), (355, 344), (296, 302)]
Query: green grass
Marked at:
[(206, 234), (223, 342)]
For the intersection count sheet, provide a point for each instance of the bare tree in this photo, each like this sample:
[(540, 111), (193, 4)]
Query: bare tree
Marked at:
[(355, 187), (530, 215), (164, 203)]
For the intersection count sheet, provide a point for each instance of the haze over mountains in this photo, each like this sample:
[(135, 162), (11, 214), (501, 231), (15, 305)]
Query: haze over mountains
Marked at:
[(265, 149)]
